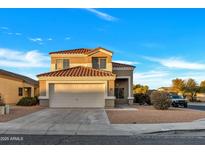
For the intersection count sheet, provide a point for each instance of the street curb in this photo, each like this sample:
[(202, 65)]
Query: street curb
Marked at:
[(175, 130)]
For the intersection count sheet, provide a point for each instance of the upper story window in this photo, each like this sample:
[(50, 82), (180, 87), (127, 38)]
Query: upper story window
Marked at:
[(99, 63), (62, 64), (65, 63)]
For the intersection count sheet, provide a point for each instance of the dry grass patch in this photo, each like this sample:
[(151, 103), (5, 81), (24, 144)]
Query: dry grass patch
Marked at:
[(19, 111), (147, 114)]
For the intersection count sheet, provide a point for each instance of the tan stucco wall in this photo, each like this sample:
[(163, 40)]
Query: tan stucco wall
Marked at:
[(81, 60), (111, 87), (200, 97), (42, 87), (9, 89), (109, 103)]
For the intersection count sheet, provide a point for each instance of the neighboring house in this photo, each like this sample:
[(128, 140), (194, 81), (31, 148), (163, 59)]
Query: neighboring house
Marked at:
[(14, 86), (85, 78), (165, 89)]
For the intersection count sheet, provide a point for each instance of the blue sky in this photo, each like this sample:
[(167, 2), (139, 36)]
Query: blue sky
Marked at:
[(162, 43)]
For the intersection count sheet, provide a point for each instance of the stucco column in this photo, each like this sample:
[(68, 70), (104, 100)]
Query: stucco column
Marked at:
[(110, 100), (130, 93)]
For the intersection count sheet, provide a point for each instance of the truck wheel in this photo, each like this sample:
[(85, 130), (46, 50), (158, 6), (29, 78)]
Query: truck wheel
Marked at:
[(185, 105)]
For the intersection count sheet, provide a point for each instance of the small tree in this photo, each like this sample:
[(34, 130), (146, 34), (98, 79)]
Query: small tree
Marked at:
[(192, 88), (140, 89), (178, 85), (160, 100), (202, 86)]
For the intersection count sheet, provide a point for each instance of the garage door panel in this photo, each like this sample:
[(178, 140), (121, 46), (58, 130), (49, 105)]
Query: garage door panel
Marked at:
[(77, 95)]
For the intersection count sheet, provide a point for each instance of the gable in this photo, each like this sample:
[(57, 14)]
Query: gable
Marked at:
[(101, 54), (102, 51)]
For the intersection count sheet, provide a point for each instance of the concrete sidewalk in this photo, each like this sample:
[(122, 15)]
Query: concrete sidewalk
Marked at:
[(97, 129)]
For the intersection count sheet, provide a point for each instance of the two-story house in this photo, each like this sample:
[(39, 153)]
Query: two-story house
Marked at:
[(85, 78)]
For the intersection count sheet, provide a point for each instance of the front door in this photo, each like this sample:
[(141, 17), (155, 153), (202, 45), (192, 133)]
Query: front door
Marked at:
[(120, 93), (121, 90), (27, 92)]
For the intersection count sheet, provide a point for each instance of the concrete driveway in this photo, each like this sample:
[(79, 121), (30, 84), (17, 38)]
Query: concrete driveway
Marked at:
[(64, 116), (55, 120)]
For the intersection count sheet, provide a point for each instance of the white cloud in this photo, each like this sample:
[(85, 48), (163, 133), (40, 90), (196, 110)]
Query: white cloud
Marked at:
[(67, 38), (18, 59), (150, 74), (50, 39), (177, 63), (38, 39), (10, 33), (18, 34), (154, 79), (102, 15), (4, 28), (126, 62)]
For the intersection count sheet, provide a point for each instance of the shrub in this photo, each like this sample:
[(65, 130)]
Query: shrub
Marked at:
[(2, 104), (27, 101), (160, 100), (142, 99)]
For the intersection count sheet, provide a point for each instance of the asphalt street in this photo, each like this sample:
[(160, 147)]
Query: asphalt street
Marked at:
[(100, 140), (197, 107)]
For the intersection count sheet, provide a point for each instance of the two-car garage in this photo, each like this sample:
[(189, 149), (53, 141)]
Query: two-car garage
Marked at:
[(77, 95), (76, 87)]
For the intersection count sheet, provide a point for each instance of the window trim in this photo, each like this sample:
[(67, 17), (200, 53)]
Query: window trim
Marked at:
[(60, 61), (99, 62), (68, 63)]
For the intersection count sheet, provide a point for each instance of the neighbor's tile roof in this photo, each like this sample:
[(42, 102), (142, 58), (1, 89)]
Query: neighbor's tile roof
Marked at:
[(84, 51), (119, 65), (18, 76), (79, 71)]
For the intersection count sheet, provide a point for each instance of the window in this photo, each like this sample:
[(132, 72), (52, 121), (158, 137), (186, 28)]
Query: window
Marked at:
[(99, 63), (58, 64), (119, 93), (95, 63), (65, 63), (20, 91), (61, 64)]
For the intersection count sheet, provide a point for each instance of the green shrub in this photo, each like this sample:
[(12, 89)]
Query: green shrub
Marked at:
[(160, 100), (142, 99), (28, 101), (2, 104)]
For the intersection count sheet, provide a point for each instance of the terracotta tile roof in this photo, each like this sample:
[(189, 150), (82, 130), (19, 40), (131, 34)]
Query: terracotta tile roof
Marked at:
[(73, 51), (114, 64), (84, 51), (79, 71), (18, 76)]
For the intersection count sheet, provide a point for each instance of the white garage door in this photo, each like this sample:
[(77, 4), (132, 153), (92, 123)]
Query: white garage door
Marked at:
[(77, 95)]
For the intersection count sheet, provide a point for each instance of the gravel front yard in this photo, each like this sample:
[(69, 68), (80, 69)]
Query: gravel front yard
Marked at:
[(19, 111), (147, 114)]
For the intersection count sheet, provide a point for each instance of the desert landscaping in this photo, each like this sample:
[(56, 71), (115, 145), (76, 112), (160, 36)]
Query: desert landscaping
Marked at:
[(149, 115)]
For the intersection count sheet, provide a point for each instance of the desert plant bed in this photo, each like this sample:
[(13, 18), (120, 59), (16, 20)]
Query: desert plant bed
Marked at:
[(19, 111), (148, 115)]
